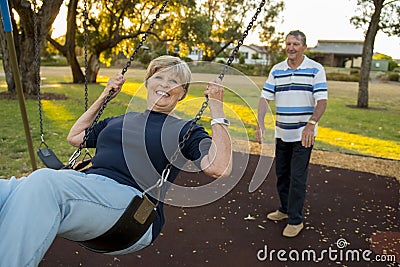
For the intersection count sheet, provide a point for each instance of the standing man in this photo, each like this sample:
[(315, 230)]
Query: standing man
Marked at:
[(298, 86)]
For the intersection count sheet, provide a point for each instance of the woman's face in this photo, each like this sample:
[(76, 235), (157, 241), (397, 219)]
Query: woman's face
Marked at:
[(164, 90)]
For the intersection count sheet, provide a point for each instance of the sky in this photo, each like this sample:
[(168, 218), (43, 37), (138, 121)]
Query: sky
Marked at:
[(318, 19), (330, 20)]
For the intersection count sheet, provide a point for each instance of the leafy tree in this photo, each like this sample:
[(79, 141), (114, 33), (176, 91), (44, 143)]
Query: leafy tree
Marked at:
[(215, 25), (68, 48), (115, 27), (377, 15), (24, 41), (273, 40)]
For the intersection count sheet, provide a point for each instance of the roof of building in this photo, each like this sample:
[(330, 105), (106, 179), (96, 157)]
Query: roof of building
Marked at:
[(258, 49), (344, 47)]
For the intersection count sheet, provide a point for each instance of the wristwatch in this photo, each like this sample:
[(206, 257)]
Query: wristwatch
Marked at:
[(313, 122), (223, 121)]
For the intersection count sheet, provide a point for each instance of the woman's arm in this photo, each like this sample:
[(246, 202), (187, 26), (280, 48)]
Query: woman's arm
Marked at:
[(218, 162), (77, 131)]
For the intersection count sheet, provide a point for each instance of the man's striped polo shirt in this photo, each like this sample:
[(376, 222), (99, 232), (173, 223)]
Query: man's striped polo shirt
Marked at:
[(296, 93)]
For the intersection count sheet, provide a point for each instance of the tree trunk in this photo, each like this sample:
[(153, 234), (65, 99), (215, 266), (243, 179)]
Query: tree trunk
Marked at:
[(6, 62), (77, 74), (28, 67), (68, 49), (93, 68), (25, 39), (362, 101), (70, 43)]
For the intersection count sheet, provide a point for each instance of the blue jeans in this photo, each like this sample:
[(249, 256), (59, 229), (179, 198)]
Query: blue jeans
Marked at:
[(67, 203), (292, 160)]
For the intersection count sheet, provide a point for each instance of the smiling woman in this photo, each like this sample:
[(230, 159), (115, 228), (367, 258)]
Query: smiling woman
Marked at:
[(136, 173), (167, 82)]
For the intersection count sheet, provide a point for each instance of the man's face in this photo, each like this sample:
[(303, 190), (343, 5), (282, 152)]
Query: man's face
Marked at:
[(294, 48)]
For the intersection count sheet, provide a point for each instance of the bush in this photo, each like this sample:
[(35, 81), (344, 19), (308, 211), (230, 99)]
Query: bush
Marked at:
[(394, 77), (336, 76), (144, 58), (54, 61), (187, 59), (354, 72)]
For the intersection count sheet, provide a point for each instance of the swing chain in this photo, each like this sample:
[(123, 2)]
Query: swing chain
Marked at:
[(77, 153), (240, 42), (199, 114), (168, 167), (85, 38), (89, 130), (146, 33), (37, 65), (73, 158)]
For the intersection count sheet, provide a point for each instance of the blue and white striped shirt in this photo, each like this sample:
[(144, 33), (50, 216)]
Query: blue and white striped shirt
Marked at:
[(296, 93)]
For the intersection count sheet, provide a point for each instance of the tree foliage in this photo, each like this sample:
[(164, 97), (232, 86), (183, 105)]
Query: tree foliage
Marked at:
[(215, 25), (114, 29), (374, 15)]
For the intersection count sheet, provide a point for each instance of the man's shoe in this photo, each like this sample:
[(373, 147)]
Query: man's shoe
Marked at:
[(277, 216), (292, 230)]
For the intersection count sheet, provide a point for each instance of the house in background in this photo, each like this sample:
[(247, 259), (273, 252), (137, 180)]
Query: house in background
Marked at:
[(252, 54), (380, 64), (338, 53), (195, 54)]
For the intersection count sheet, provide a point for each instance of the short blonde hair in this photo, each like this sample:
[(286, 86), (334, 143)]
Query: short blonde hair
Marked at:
[(173, 63)]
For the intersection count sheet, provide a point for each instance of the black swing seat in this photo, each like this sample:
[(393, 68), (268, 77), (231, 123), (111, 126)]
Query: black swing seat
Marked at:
[(49, 158), (126, 231), (129, 228)]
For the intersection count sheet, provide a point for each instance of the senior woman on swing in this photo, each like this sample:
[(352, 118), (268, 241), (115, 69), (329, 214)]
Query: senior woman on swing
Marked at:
[(81, 206)]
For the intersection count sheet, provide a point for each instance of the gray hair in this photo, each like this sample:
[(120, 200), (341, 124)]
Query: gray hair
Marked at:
[(297, 34), (173, 63)]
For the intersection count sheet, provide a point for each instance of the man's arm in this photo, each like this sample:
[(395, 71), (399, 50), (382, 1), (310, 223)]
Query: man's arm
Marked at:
[(261, 112), (307, 138)]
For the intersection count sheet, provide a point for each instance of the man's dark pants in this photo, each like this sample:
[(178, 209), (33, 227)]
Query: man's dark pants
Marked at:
[(292, 160)]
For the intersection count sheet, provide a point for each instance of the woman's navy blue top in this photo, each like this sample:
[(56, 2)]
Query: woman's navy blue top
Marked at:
[(141, 144)]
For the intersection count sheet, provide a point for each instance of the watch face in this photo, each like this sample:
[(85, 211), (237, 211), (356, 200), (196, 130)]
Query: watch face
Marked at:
[(220, 121)]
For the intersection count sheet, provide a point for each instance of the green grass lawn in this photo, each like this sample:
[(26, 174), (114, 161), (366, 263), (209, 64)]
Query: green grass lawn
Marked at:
[(343, 128)]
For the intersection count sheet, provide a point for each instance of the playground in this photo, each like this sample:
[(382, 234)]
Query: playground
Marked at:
[(351, 207), (352, 202), (351, 198), (346, 211)]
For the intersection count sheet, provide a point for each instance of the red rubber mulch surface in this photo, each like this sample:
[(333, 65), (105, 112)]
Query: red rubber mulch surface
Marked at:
[(351, 218)]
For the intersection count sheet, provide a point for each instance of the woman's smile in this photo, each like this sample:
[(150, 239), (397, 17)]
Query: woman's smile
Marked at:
[(164, 91)]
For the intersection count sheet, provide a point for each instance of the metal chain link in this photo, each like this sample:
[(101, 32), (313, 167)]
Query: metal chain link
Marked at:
[(140, 44), (76, 154), (85, 38), (205, 103), (241, 40), (37, 65)]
